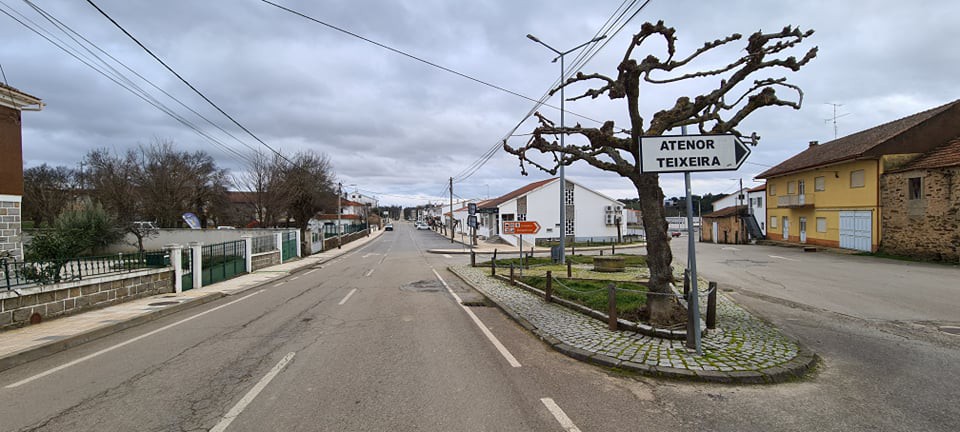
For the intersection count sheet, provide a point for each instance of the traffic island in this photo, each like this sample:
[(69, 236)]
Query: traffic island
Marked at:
[(742, 349)]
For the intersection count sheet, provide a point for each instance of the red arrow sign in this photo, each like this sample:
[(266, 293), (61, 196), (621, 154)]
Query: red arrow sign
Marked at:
[(521, 227)]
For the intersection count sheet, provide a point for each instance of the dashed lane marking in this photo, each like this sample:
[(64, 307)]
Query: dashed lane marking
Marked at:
[(347, 297), (247, 398)]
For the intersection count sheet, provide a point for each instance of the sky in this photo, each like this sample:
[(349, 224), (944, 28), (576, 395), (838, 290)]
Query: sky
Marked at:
[(398, 128)]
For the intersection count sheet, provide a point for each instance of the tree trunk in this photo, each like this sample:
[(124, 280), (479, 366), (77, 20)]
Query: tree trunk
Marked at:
[(663, 308)]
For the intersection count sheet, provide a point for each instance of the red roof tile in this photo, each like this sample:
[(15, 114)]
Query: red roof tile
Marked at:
[(514, 194), (947, 155), (726, 212)]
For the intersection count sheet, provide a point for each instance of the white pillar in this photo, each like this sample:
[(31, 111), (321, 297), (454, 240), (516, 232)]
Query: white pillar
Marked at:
[(298, 243), (176, 258), (279, 240), (248, 251), (196, 252)]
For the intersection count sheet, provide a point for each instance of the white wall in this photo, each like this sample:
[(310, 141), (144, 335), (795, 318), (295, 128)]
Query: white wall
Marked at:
[(759, 209), (185, 236)]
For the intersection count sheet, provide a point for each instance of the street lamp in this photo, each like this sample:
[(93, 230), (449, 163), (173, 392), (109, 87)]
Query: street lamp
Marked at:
[(563, 183)]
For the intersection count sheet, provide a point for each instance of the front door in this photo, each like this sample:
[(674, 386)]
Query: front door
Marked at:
[(803, 229), (716, 232), (786, 228), (801, 191)]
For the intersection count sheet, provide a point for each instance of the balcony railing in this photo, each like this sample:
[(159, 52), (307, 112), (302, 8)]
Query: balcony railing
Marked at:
[(795, 200)]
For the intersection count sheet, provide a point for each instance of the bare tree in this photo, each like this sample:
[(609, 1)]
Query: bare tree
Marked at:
[(172, 182), (308, 178), (263, 181), (112, 181), (46, 191), (711, 112)]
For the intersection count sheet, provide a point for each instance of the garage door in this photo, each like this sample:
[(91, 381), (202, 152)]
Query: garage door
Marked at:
[(855, 229)]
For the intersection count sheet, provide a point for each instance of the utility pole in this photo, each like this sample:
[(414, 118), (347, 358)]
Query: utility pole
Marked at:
[(451, 209), (339, 211)]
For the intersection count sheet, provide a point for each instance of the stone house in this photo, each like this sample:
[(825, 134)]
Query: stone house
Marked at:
[(12, 102), (724, 226), (921, 206)]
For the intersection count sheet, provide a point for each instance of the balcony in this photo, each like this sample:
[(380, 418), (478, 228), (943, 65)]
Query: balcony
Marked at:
[(789, 201)]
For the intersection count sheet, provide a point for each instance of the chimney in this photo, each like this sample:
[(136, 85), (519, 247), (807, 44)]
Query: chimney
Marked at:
[(814, 143)]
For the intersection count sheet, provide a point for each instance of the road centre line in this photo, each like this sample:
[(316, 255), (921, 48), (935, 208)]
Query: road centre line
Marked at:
[(294, 278), (278, 284), (493, 339), (783, 258), (247, 398), (124, 343), (370, 272), (347, 297), (561, 416), (311, 271)]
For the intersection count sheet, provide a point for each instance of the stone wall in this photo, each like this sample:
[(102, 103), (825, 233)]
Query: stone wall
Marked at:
[(331, 243), (927, 228), (63, 299), (10, 228), (265, 259)]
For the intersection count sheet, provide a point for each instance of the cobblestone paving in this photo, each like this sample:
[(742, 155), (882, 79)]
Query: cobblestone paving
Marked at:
[(741, 342)]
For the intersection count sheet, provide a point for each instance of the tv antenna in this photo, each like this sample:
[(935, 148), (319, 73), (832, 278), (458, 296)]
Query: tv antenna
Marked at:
[(835, 117)]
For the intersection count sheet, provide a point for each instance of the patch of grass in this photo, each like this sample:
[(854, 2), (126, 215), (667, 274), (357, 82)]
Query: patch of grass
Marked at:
[(629, 260), (593, 293)]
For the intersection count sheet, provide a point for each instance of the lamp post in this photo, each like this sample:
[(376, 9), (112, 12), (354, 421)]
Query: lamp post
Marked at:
[(563, 183)]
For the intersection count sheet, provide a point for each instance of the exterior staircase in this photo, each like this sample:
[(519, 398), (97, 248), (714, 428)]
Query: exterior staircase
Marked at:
[(753, 228)]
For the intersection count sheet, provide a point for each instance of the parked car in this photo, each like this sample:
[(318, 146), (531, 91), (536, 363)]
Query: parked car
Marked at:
[(388, 227), (675, 233), (422, 226)]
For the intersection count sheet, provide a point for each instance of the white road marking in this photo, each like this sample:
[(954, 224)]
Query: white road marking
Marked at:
[(311, 271), (347, 297), (247, 398), (729, 248), (369, 272), (294, 278), (122, 344), (493, 339), (368, 254), (558, 414), (383, 259), (278, 284), (783, 258), (447, 256)]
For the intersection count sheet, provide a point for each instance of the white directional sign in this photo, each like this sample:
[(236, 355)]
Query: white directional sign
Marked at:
[(686, 153)]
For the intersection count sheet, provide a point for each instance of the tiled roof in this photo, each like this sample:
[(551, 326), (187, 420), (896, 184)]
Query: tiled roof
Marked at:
[(855, 145), (947, 155), (347, 203), (514, 194), (726, 212), (758, 188)]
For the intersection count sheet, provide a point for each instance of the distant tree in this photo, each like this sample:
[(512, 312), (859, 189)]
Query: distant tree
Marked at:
[(112, 181), (172, 182), (308, 178), (733, 93), (47, 190)]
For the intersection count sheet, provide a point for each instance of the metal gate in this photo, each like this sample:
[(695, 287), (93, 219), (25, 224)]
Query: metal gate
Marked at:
[(223, 261), (289, 245), (186, 263), (856, 228)]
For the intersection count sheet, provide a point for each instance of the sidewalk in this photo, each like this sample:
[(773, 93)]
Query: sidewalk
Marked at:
[(743, 348), (29, 343)]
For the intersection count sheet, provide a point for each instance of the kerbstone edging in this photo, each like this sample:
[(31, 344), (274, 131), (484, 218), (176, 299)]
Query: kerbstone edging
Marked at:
[(755, 366)]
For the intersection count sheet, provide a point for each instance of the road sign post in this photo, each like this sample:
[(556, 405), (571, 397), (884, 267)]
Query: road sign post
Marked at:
[(687, 153), (520, 228)]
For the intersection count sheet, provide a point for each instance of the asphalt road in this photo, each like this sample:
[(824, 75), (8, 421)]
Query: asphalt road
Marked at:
[(375, 341)]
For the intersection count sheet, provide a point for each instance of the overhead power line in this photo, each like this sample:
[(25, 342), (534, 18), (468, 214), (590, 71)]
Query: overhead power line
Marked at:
[(187, 83)]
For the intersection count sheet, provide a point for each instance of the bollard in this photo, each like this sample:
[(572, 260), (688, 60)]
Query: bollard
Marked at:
[(512, 281), (686, 284), (712, 307), (601, 252), (493, 263), (473, 259), (569, 270), (573, 250), (612, 306), (548, 291), (613, 249)]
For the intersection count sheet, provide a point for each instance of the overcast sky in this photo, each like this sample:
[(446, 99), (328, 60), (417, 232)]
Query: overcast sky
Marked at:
[(398, 128)]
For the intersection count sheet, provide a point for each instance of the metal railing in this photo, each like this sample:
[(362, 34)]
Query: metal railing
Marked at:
[(795, 200), (222, 261), (331, 230), (265, 243), (15, 274)]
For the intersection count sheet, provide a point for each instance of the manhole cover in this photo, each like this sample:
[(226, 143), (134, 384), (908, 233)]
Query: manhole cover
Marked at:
[(423, 286), (164, 303), (950, 329)]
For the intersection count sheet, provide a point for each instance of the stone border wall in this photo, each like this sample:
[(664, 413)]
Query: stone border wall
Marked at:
[(10, 228), (64, 299), (331, 243), (265, 259)]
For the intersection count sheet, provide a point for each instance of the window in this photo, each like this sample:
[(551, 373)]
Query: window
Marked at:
[(819, 184), (914, 188), (856, 179), (759, 202), (773, 222), (773, 189), (791, 188), (822, 224)]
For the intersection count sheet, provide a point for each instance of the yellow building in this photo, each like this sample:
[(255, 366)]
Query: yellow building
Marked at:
[(829, 194)]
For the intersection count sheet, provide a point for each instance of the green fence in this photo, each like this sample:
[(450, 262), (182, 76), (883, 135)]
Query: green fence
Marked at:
[(223, 261), (289, 249), (330, 230), (14, 274)]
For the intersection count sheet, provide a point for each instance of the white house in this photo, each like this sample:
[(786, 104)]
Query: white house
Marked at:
[(590, 214), (363, 199), (750, 200)]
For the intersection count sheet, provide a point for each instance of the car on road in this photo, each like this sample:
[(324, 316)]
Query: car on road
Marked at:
[(422, 226), (388, 227), (675, 233)]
